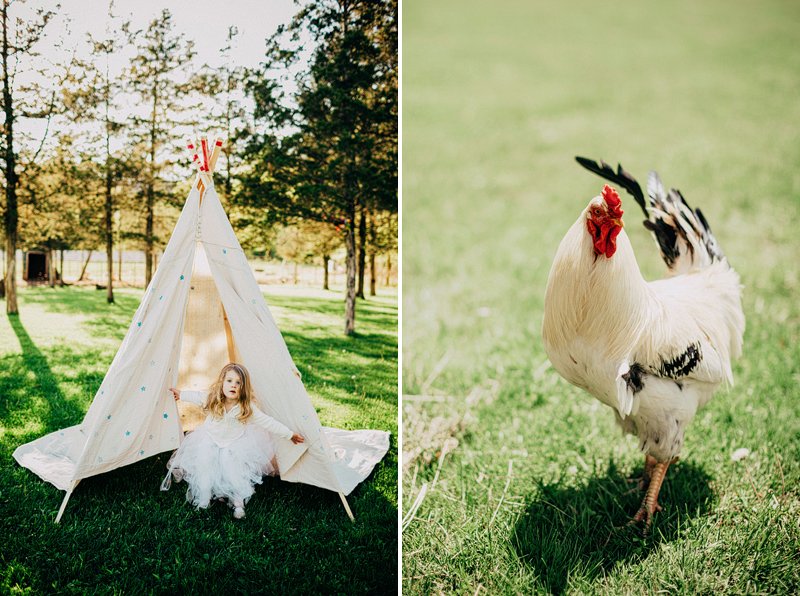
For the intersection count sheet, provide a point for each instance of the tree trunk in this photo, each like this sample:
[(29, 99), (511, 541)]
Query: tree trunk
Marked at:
[(151, 197), (372, 280), (362, 252), (148, 237), (372, 245), (85, 265), (350, 292), (9, 279), (109, 207), (119, 263), (325, 261), (51, 268), (388, 269), (350, 219), (295, 273), (61, 268), (109, 250), (11, 216)]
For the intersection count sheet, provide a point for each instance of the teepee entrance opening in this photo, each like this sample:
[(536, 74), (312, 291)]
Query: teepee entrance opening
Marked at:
[(207, 341)]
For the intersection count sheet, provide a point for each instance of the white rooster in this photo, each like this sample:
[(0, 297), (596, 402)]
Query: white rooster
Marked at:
[(655, 351)]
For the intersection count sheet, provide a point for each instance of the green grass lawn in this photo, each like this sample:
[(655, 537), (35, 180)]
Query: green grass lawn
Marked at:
[(525, 475), (120, 534)]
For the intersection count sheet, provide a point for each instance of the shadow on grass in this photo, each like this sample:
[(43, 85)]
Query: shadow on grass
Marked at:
[(360, 367), (582, 531), (17, 389), (372, 346)]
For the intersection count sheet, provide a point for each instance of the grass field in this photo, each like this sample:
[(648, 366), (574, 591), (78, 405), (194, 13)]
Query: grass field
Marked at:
[(120, 534), (518, 477)]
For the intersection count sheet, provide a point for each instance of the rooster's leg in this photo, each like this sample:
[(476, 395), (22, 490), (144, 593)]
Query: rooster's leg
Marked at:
[(650, 504), (647, 474), (644, 481)]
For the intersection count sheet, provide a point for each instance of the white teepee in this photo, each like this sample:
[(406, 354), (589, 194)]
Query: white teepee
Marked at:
[(202, 309)]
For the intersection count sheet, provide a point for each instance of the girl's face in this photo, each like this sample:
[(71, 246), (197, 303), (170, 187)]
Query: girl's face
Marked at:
[(231, 385)]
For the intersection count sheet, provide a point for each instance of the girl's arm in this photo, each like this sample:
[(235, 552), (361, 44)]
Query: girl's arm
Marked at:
[(194, 397), (275, 427)]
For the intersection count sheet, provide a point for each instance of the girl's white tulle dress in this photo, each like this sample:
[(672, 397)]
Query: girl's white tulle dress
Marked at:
[(223, 457)]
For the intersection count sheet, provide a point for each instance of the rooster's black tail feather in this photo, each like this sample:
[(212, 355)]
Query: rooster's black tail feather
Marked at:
[(621, 177), (683, 235)]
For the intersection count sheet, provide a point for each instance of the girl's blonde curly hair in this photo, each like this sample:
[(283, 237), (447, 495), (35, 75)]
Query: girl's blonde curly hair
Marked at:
[(216, 399)]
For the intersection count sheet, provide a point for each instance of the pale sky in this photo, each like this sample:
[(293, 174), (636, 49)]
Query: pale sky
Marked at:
[(204, 21)]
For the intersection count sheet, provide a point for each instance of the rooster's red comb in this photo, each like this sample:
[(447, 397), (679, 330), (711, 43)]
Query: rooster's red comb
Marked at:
[(611, 197)]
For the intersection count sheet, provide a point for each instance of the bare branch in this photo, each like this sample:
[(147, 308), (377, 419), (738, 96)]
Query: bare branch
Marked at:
[(50, 111)]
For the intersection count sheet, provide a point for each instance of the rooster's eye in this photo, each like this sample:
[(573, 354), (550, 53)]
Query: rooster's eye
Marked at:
[(596, 211)]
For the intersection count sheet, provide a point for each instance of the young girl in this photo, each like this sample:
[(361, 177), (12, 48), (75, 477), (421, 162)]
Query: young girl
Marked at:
[(230, 452)]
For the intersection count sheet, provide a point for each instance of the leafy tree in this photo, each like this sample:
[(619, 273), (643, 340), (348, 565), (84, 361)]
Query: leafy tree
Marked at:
[(159, 78), (92, 100), (307, 240), (379, 185), (291, 245), (382, 241), (317, 149), (325, 239), (61, 202), (19, 38)]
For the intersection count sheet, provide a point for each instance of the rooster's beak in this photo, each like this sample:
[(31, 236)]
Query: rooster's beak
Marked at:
[(618, 222)]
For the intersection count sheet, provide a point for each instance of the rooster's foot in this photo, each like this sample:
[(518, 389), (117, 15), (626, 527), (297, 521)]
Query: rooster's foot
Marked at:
[(645, 515)]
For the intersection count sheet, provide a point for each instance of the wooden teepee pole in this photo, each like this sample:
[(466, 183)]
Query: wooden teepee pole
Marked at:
[(204, 159), (65, 501), (347, 507)]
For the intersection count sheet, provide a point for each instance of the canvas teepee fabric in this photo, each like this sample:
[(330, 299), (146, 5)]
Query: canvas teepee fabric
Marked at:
[(133, 415)]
